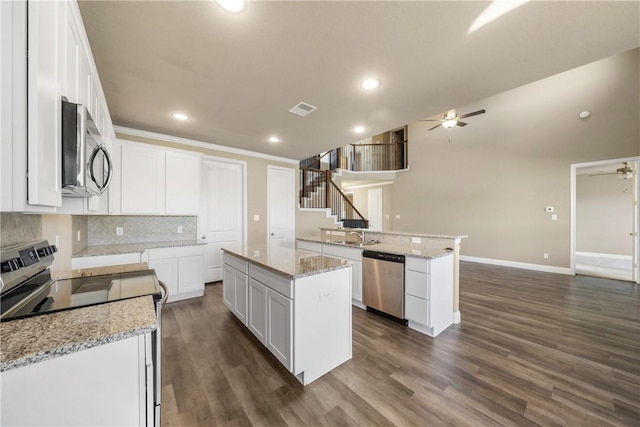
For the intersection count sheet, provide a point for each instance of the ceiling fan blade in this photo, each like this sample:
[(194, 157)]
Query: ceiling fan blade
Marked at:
[(475, 113), (428, 120), (601, 174), (435, 126), (459, 123)]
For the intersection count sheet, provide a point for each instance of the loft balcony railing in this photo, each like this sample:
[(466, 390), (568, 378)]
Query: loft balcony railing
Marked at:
[(361, 158)]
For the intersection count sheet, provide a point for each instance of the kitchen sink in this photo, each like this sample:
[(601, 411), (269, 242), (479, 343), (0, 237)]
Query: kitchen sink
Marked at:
[(357, 244)]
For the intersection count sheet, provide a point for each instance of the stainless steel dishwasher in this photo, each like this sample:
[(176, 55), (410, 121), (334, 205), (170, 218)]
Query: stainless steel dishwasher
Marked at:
[(383, 284)]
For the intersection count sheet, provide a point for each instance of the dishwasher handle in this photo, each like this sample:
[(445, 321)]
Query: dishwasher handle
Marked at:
[(382, 256)]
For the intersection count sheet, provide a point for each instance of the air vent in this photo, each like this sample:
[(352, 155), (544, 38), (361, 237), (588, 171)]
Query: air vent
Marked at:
[(302, 109)]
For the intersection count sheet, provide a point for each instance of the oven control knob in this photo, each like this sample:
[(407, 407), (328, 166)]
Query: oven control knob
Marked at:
[(53, 248), (42, 252), (12, 265)]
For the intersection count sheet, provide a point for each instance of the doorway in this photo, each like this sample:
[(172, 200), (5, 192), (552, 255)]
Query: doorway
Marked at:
[(604, 213), (222, 210), (374, 208), (281, 201)]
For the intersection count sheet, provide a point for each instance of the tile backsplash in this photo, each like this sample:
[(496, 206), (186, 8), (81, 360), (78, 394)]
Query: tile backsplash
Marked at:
[(102, 229), (19, 228)]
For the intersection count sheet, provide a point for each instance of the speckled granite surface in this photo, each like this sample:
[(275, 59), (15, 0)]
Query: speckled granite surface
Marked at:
[(288, 262), (132, 248), (38, 338), (414, 250), (98, 271), (390, 233)]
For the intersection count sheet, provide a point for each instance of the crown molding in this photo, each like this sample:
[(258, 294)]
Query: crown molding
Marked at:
[(200, 144)]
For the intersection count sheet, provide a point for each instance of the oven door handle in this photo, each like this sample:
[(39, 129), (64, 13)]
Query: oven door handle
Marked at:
[(165, 293)]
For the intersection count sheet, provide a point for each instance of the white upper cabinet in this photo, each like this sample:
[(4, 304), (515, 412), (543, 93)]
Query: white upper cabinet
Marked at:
[(45, 75), (142, 179), (155, 181), (40, 66), (182, 183)]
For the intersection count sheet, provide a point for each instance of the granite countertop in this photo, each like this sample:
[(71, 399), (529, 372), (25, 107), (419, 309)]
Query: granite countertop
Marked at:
[(393, 233), (132, 248), (413, 250), (35, 339), (98, 271), (288, 262)]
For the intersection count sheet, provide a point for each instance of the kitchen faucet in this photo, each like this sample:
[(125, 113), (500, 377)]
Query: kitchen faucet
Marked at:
[(360, 235)]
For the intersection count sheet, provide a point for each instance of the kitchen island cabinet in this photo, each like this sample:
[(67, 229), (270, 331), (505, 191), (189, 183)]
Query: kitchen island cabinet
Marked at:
[(298, 305)]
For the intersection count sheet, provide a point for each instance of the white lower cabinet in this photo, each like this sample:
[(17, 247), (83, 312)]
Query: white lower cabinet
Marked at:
[(257, 321), (279, 327), (428, 303), (102, 386), (353, 255), (235, 291), (181, 269), (305, 323)]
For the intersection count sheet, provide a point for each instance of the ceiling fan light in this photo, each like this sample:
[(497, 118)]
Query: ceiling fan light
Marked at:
[(449, 123)]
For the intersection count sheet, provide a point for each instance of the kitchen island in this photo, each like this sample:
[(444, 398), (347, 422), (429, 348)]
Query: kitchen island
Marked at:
[(297, 303)]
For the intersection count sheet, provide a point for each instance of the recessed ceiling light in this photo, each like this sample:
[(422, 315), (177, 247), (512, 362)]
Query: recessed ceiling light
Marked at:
[(358, 129), (180, 116), (274, 139), (233, 6), (370, 84)]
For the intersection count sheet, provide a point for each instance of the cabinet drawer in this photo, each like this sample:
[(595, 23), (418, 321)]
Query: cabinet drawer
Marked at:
[(417, 264), (416, 309), (175, 252), (416, 284), (104, 260), (236, 263), (342, 252), (271, 280)]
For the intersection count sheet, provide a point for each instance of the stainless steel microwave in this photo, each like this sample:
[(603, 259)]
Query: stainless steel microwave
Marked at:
[(86, 164)]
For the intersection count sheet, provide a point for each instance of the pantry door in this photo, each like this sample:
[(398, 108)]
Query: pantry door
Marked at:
[(281, 200), (223, 210)]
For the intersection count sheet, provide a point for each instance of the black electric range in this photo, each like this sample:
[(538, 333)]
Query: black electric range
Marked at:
[(28, 290)]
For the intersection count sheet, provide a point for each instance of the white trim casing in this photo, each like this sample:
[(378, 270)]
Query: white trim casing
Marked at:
[(201, 144), (515, 264), (608, 256)]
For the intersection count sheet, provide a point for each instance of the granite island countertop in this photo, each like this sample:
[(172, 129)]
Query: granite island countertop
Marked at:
[(413, 250), (38, 338), (130, 248), (288, 262)]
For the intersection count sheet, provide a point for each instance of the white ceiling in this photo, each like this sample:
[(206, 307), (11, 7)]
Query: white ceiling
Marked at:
[(237, 75)]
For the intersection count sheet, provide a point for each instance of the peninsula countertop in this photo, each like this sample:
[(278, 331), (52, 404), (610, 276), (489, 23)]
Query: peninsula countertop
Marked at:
[(413, 250), (287, 261)]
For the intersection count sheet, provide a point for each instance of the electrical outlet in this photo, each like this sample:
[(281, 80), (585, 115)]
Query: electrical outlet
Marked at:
[(179, 229), (256, 253), (416, 240), (545, 255), (256, 217), (554, 217), (119, 231), (397, 216), (78, 236)]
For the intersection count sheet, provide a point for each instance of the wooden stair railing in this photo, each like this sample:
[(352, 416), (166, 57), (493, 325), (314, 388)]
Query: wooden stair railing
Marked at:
[(312, 181)]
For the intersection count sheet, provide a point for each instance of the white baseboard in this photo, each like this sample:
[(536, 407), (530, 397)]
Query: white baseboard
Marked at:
[(609, 256), (456, 317), (515, 264)]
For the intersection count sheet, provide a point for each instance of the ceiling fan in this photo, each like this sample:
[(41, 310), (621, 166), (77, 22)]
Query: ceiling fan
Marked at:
[(625, 172), (451, 119)]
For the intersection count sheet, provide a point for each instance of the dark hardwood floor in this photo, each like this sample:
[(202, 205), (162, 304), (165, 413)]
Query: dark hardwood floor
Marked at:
[(532, 349)]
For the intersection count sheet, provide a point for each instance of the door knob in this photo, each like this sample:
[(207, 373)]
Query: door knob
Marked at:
[(204, 237), (273, 234)]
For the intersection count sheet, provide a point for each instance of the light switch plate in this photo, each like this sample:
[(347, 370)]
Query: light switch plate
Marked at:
[(397, 216), (256, 217), (416, 240), (179, 229), (119, 231), (554, 217)]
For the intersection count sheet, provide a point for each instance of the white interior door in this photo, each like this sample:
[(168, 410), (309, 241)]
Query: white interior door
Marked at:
[(222, 213), (374, 203), (281, 205)]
